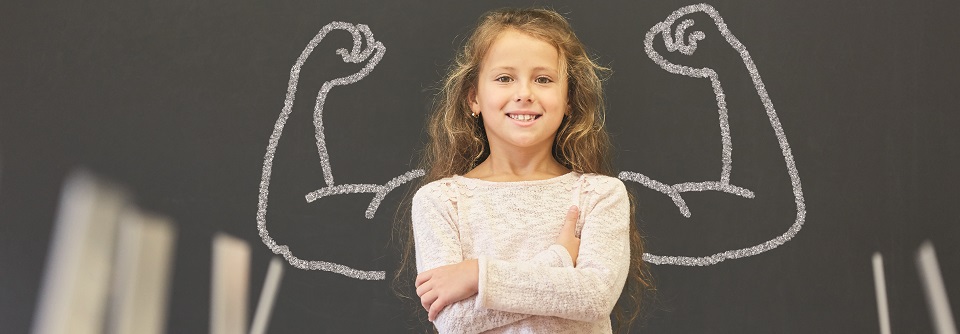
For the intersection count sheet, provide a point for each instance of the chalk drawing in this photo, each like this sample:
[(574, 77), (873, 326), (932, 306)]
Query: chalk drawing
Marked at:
[(674, 39), (676, 42), (371, 51)]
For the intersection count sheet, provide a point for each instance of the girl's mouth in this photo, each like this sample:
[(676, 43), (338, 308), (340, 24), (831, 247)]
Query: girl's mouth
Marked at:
[(523, 117)]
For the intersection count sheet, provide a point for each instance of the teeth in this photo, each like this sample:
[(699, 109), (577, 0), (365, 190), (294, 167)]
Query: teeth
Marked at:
[(523, 118)]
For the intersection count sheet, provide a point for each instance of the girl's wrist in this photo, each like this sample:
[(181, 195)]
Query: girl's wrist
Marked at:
[(473, 266)]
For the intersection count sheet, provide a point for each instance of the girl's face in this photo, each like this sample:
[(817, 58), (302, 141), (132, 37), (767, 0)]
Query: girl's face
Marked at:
[(520, 93)]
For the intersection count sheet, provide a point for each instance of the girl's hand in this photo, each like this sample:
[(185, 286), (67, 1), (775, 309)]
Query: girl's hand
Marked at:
[(446, 285), (568, 235)]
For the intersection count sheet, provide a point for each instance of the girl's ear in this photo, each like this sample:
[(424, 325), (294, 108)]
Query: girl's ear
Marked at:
[(474, 104)]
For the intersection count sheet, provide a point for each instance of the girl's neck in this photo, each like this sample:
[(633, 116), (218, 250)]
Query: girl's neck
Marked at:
[(517, 166)]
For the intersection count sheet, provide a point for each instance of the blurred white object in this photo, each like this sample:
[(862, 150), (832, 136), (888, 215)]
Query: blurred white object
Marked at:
[(880, 286), (142, 273), (261, 317), (229, 284), (76, 279), (932, 280)]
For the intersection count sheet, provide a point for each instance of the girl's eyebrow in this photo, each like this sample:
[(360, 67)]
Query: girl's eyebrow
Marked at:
[(503, 68), (511, 68)]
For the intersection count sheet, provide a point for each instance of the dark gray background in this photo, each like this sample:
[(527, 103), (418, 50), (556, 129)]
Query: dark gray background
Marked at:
[(177, 99)]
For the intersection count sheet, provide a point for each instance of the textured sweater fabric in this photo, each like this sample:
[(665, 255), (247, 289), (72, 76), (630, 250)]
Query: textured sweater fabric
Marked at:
[(527, 282)]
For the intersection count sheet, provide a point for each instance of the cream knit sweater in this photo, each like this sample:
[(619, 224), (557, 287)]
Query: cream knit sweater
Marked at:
[(527, 282)]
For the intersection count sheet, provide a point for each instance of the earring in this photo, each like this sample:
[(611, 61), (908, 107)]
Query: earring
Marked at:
[(473, 114)]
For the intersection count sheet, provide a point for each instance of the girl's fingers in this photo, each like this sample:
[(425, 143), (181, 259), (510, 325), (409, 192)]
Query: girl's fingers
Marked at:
[(428, 299), (423, 288), (568, 237), (570, 222), (435, 309), (423, 277)]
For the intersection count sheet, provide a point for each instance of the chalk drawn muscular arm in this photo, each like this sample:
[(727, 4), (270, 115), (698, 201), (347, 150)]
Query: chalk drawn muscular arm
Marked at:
[(673, 36), (371, 51)]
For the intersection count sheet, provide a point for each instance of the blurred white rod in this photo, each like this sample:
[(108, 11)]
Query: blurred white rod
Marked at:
[(936, 292), (141, 278), (261, 317), (76, 281), (230, 279), (880, 283)]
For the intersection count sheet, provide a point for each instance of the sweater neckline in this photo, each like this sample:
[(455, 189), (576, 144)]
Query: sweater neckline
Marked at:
[(555, 179)]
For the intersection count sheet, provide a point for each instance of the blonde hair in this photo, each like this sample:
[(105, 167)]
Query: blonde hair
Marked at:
[(457, 141)]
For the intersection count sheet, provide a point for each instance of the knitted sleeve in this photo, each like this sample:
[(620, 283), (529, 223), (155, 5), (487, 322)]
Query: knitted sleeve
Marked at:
[(587, 292), (437, 243)]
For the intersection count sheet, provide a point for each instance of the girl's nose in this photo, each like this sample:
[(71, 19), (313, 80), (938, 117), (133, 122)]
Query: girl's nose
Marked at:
[(523, 93)]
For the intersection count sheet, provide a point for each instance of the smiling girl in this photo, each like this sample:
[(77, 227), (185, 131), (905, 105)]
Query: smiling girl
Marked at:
[(519, 227)]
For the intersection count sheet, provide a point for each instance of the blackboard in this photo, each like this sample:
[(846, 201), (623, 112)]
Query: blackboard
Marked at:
[(178, 100)]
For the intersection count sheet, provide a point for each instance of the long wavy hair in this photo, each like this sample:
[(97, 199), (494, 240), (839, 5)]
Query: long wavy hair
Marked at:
[(457, 141)]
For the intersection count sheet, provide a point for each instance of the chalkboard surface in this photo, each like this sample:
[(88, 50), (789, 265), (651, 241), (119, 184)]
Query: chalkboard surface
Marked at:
[(770, 160)]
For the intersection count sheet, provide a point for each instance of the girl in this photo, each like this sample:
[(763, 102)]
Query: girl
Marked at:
[(519, 228)]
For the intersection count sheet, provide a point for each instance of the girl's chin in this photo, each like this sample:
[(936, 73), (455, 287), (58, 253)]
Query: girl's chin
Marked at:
[(529, 143)]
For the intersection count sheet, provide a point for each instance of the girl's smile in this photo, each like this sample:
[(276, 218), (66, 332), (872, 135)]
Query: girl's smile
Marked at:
[(524, 118)]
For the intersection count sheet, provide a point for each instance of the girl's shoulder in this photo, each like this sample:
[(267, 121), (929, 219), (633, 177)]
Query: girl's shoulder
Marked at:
[(439, 183), (599, 184), (445, 189)]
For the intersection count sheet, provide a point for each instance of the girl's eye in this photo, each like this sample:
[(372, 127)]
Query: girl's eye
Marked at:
[(543, 80), (503, 78)]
